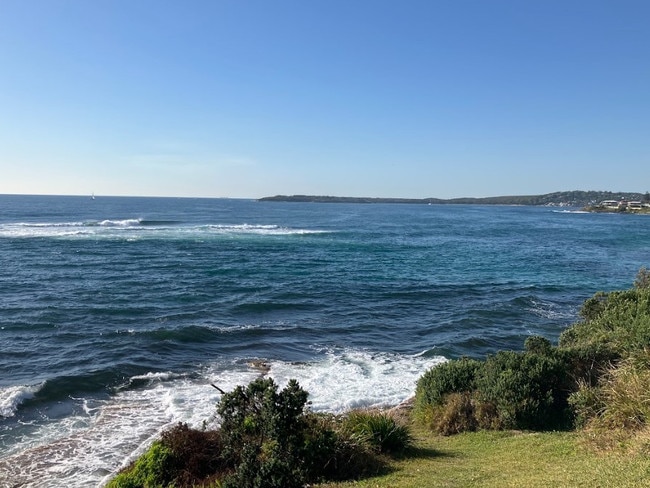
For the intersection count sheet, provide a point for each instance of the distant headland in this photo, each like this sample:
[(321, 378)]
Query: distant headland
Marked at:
[(589, 200)]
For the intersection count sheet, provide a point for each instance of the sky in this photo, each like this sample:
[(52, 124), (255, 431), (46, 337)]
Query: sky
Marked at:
[(373, 98)]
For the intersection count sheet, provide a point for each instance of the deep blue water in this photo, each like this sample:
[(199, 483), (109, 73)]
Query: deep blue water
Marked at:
[(117, 313)]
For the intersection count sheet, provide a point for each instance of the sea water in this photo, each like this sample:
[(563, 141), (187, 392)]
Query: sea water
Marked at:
[(117, 314)]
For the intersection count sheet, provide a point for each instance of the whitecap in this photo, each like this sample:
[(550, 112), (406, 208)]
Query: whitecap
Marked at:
[(259, 229), (120, 223), (571, 211), (13, 396)]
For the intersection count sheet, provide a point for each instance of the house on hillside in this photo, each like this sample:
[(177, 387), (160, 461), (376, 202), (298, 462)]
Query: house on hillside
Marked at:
[(613, 204)]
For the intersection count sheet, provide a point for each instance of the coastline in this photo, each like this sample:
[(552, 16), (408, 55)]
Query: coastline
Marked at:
[(574, 198)]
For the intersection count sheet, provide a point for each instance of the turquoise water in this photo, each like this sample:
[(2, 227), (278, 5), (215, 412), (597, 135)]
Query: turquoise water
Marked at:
[(116, 314)]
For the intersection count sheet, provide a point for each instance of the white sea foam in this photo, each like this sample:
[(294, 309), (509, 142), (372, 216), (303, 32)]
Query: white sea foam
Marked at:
[(158, 376), (120, 223), (133, 229), (550, 310), (11, 398), (86, 449), (259, 229), (25, 230), (351, 378)]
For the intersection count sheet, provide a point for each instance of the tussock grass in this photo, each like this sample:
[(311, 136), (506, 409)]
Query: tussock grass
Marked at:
[(379, 430), (617, 412)]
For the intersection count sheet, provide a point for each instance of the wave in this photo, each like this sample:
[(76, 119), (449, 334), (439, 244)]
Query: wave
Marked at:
[(117, 223), (533, 304), (151, 378), (62, 388), (259, 229), (139, 228), (571, 211), (12, 397)]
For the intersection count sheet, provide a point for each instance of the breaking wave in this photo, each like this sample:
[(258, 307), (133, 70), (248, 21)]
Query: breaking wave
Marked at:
[(12, 397), (140, 228)]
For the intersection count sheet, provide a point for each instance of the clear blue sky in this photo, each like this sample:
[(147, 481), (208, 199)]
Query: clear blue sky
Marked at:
[(238, 98)]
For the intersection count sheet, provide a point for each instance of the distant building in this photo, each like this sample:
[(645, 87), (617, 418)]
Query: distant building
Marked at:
[(609, 203)]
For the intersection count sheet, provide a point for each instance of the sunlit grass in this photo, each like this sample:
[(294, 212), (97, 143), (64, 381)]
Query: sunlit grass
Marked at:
[(510, 459)]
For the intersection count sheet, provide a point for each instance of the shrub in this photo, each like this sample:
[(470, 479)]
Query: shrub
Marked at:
[(616, 413), (642, 279), (593, 306), (538, 345), (586, 403), (153, 468), (619, 321), (271, 440), (453, 376), (263, 434), (527, 390), (548, 387)]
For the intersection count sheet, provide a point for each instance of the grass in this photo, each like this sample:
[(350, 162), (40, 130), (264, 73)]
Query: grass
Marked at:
[(509, 459)]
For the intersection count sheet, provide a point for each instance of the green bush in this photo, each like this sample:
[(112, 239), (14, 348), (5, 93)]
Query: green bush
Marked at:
[(619, 320), (622, 398), (271, 440), (586, 403), (528, 391), (453, 376), (263, 433), (538, 345), (593, 306), (607, 354), (642, 279), (153, 469)]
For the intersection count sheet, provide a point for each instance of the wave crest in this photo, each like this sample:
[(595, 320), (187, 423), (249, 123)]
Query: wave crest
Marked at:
[(138, 227), (12, 397)]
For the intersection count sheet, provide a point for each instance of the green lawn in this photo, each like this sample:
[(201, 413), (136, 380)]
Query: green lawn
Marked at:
[(510, 459)]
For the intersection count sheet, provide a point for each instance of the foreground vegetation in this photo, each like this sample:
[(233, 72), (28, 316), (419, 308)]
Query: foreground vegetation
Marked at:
[(575, 414), (269, 439)]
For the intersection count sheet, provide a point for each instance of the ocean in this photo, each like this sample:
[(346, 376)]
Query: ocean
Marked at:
[(117, 314)]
